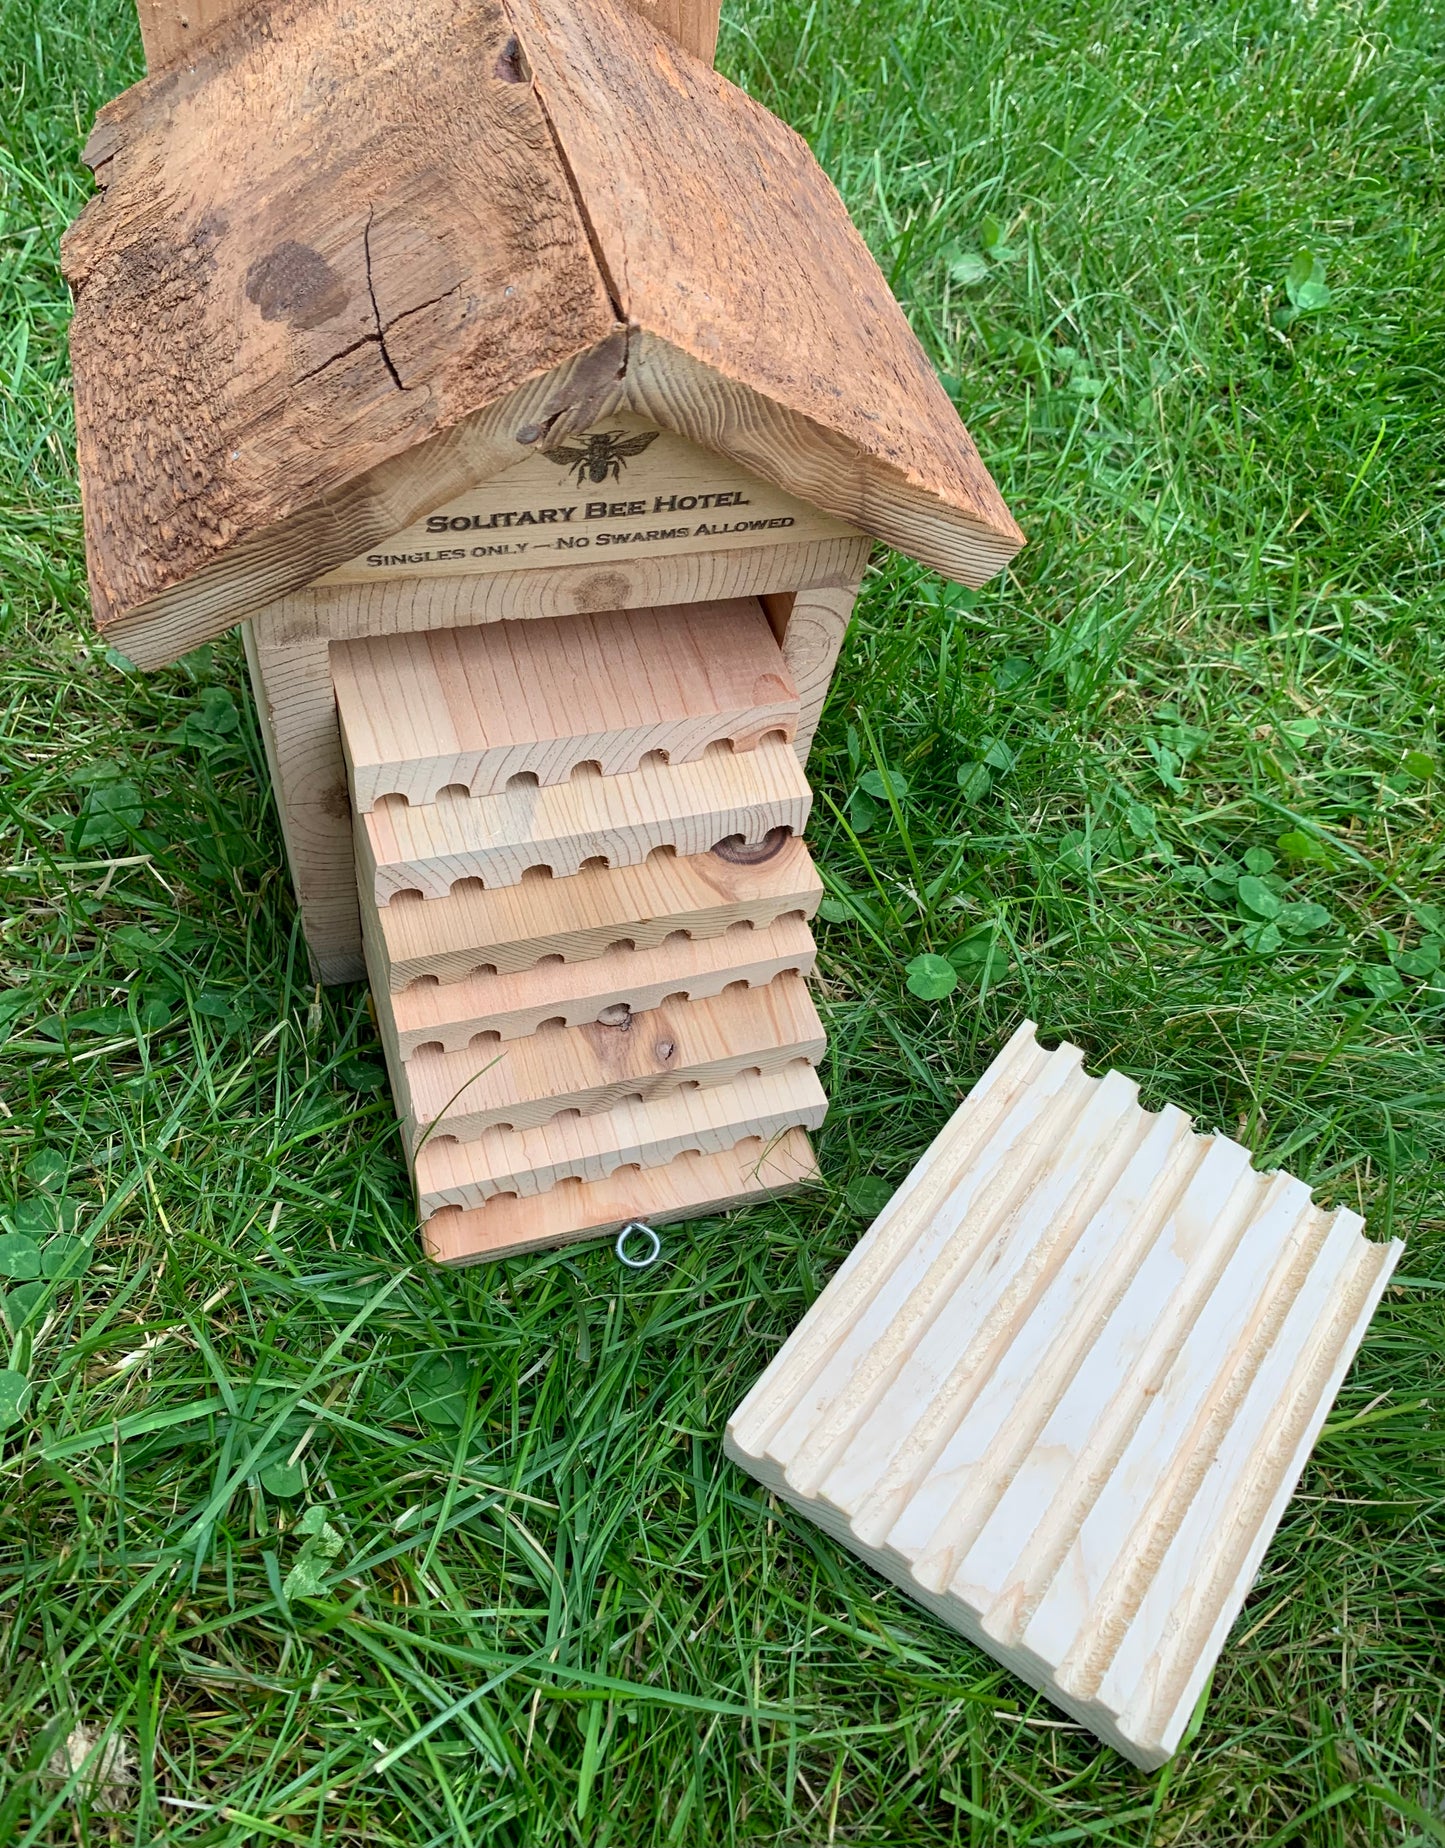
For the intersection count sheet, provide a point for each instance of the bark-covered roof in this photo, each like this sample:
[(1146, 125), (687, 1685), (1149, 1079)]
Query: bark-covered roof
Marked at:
[(348, 259)]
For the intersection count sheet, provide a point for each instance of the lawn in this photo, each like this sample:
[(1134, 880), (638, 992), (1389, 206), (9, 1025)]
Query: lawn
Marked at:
[(1173, 791)]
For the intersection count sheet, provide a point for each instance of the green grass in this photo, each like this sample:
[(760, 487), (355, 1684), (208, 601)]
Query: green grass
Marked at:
[(551, 1611)]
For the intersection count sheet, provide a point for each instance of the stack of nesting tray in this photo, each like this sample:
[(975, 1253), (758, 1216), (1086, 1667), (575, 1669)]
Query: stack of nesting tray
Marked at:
[(585, 900)]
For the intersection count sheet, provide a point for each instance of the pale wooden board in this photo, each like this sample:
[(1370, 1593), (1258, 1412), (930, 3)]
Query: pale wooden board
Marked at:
[(296, 712), (690, 808), (660, 496), (706, 1121), (514, 927), (450, 1015), (472, 708), (529, 1081), (812, 626), (291, 673), (1062, 1389), (691, 1187)]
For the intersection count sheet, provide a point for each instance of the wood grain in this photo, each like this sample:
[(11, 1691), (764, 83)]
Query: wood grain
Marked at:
[(529, 1081), (285, 285), (692, 1187), (514, 927), (704, 1121), (512, 1006), (472, 708), (626, 488), (409, 605), (308, 314), (732, 254), (296, 711), (693, 23), (750, 797), (295, 697), (172, 28), (1062, 1389), (814, 627)]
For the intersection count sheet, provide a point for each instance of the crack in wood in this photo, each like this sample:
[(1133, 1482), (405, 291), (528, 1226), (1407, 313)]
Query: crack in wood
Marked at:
[(609, 282), (386, 358)]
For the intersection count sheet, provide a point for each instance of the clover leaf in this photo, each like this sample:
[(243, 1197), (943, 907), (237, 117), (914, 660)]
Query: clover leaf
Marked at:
[(931, 977)]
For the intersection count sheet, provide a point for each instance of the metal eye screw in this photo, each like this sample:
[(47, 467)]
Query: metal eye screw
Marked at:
[(636, 1225)]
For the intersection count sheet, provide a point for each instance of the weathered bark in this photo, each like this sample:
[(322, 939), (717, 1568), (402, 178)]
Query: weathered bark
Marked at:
[(349, 261)]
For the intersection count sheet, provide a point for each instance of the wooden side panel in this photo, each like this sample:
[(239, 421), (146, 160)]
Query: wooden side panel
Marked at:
[(691, 1187), (746, 798), (528, 1081), (1062, 1389), (815, 627), (575, 993), (472, 708), (514, 927), (703, 1121), (296, 703)]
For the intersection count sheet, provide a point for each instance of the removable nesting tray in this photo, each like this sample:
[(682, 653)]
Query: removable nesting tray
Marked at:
[(514, 927), (701, 1119), (524, 1082), (744, 797), (688, 1188), (1062, 1389), (478, 705)]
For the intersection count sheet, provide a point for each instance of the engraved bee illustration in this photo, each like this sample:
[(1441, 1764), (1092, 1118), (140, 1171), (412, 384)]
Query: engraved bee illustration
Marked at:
[(606, 454)]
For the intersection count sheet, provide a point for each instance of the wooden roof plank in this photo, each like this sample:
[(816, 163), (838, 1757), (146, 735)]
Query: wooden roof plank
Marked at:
[(750, 800), (617, 982), (723, 240), (330, 238), (345, 263)]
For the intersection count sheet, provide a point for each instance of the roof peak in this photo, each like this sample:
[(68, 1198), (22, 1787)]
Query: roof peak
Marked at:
[(346, 258)]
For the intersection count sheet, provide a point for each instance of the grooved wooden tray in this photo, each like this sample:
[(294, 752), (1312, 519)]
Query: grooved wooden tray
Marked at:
[(1062, 1389), (514, 927), (450, 1015), (704, 1120), (476, 706), (742, 796), (528, 1081), (688, 1188)]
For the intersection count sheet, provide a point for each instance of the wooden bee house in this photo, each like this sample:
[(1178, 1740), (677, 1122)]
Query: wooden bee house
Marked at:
[(525, 391)]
